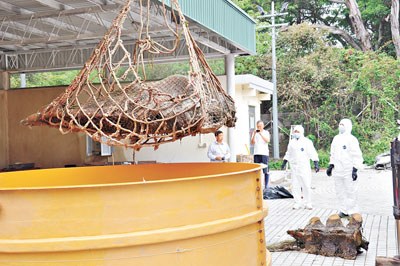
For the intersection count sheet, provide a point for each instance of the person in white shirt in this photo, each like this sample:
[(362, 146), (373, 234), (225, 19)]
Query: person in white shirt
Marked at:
[(299, 153), (260, 139), (219, 151)]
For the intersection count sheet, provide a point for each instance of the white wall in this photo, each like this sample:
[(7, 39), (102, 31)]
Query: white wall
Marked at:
[(189, 149), (242, 129)]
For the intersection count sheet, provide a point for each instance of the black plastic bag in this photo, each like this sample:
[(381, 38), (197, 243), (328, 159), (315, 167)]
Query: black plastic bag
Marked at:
[(277, 192)]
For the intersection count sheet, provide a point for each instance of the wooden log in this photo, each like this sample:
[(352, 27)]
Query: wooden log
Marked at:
[(314, 222), (334, 221), (384, 261), (355, 220), (283, 246), (312, 237), (332, 239)]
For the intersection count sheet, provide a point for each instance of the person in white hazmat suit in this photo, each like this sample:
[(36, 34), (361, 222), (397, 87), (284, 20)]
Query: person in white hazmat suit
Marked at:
[(299, 153), (346, 158)]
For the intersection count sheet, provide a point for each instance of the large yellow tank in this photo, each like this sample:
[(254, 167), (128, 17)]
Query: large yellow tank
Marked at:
[(191, 214)]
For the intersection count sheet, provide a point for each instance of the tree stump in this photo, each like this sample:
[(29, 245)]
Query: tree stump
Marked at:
[(384, 261), (332, 239)]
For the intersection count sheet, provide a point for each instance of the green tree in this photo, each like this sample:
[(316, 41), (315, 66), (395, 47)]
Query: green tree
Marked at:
[(336, 17), (321, 84)]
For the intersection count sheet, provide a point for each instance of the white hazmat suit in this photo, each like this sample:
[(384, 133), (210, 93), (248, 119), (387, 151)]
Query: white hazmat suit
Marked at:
[(299, 153), (345, 154)]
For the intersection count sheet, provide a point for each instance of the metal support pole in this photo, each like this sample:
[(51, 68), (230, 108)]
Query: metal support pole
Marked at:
[(275, 132), (4, 80), (230, 84), (395, 161)]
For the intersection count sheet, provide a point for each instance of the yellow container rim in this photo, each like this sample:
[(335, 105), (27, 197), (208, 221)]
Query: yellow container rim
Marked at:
[(251, 167)]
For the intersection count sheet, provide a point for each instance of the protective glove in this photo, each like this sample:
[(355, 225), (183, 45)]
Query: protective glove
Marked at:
[(316, 166), (283, 164), (354, 174), (329, 170)]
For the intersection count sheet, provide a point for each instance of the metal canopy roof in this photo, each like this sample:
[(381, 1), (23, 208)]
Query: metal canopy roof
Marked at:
[(37, 35)]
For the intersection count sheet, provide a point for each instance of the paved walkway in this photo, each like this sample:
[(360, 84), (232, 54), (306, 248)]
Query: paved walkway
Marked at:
[(375, 200)]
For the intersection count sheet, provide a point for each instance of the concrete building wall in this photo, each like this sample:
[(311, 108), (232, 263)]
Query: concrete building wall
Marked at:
[(44, 146), (3, 129), (242, 129)]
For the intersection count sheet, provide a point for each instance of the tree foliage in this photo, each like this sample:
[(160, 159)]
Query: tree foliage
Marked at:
[(374, 13), (44, 79), (321, 84), (153, 72)]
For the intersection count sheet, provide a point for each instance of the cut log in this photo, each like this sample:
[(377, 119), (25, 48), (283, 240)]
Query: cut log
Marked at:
[(283, 246), (384, 261), (332, 239), (334, 221)]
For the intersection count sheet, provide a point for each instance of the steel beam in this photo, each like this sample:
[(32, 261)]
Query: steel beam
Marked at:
[(92, 18), (61, 13), (50, 21), (68, 46), (75, 58), (95, 37)]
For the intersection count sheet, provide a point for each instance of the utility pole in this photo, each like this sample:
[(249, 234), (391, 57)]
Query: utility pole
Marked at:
[(275, 121)]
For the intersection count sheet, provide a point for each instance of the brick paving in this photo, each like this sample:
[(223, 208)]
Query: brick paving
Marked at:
[(375, 200)]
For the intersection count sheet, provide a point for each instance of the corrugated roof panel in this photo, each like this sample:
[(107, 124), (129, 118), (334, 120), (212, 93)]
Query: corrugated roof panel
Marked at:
[(224, 18)]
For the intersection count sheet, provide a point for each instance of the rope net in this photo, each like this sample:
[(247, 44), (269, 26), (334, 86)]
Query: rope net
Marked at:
[(111, 101)]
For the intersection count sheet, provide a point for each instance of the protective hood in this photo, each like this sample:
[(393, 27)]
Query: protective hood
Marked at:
[(347, 125), (300, 129)]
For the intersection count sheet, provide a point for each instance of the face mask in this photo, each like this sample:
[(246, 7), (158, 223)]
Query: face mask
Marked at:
[(296, 135), (342, 129)]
